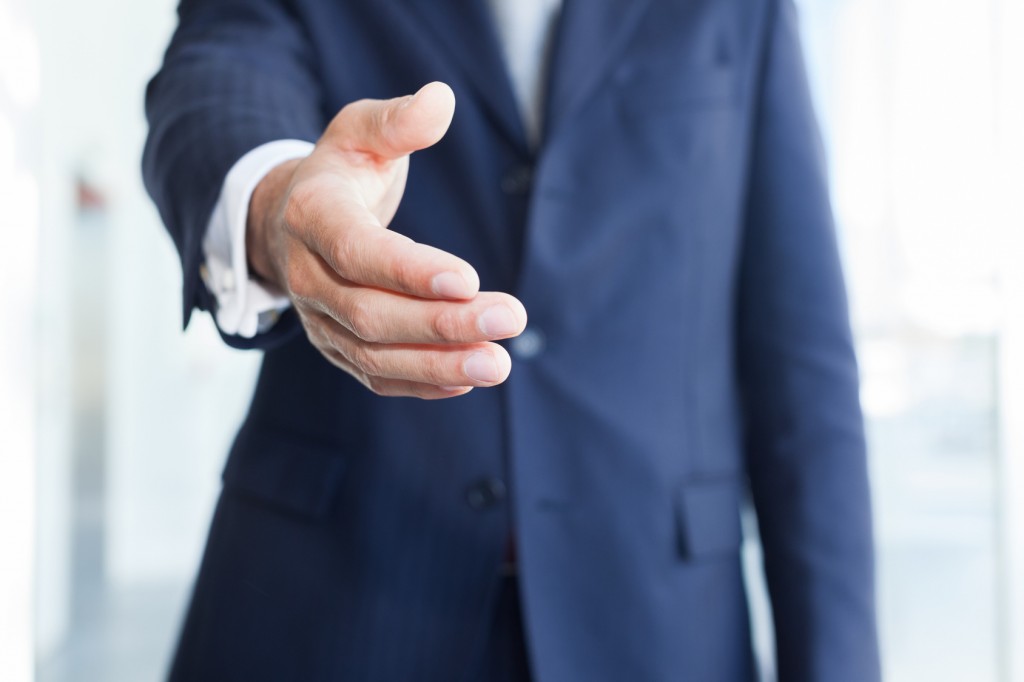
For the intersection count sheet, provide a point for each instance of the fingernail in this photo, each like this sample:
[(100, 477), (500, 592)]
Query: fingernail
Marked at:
[(481, 367), (451, 285), (498, 320)]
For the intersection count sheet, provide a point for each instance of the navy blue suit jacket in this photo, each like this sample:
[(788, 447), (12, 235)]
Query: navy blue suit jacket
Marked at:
[(673, 243)]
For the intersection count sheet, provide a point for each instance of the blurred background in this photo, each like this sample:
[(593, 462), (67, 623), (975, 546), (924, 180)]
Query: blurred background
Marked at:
[(114, 424)]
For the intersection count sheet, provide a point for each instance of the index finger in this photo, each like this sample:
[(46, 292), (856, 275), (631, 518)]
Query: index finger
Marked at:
[(356, 246)]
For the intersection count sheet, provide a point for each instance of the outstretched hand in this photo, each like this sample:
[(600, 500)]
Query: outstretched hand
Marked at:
[(403, 318)]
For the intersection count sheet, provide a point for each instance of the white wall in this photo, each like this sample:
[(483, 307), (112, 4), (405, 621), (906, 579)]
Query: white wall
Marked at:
[(19, 199), (173, 399), (169, 402), (1010, 129), (923, 108)]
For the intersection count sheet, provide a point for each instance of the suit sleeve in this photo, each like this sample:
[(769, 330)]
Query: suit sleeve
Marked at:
[(237, 74), (804, 428)]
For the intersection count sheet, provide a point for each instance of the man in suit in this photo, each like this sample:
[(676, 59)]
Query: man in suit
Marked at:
[(644, 177)]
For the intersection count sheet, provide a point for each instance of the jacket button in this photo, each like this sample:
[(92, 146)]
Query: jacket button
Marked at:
[(527, 345), (485, 493), (517, 180)]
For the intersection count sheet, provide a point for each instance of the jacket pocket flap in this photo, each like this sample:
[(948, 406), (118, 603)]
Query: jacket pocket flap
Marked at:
[(286, 472), (647, 87), (708, 517)]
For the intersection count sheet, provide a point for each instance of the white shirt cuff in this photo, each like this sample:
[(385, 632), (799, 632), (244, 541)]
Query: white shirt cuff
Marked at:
[(245, 307)]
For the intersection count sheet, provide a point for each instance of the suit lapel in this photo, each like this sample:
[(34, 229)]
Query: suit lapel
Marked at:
[(465, 31), (590, 35)]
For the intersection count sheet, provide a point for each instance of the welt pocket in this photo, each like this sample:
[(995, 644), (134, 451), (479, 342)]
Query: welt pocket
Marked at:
[(284, 471), (645, 88), (708, 519)]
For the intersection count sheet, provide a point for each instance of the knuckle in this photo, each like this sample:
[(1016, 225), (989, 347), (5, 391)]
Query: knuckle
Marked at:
[(335, 358), (299, 207), (377, 386), (363, 357), (297, 280), (362, 318), (324, 346), (342, 255), (403, 271), (318, 336), (446, 325)]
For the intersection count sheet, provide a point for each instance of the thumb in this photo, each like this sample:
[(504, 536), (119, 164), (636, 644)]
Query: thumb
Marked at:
[(393, 128)]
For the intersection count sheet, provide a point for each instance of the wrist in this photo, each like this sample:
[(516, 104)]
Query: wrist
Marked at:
[(266, 208)]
